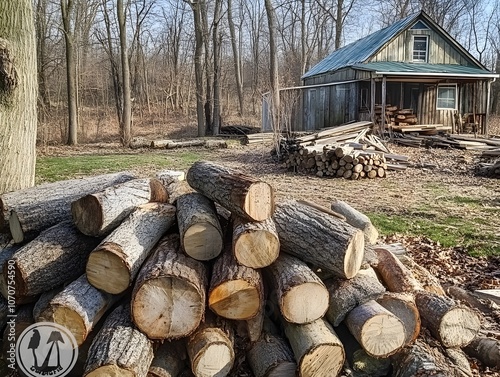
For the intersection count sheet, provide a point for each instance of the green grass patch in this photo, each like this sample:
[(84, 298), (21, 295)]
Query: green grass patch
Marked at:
[(51, 169), (465, 200)]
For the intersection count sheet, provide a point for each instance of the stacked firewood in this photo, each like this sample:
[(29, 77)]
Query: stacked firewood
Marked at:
[(156, 276), (403, 117)]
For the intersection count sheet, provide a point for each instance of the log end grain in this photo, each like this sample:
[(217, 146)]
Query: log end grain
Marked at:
[(325, 360), (211, 353), (224, 297), (167, 307), (107, 271), (266, 243), (71, 320), (382, 335), (403, 306), (159, 192), (259, 201), (459, 327), (202, 241), (87, 215), (305, 303), (354, 255), (16, 230)]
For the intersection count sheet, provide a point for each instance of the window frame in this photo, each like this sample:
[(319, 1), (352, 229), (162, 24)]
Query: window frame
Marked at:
[(455, 86), (426, 60)]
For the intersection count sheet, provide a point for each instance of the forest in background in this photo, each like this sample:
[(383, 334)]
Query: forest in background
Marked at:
[(207, 62)]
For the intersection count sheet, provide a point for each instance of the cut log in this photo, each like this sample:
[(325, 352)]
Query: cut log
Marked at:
[(211, 348), (55, 257), (168, 300), (199, 227), (486, 350), (255, 244), (184, 144), (322, 209), (345, 295), (403, 306), (29, 211), (6, 255), (317, 348), (99, 213), (394, 274), (302, 296), (428, 281), (139, 142), (175, 186), (214, 144), (489, 294), (114, 264), (376, 329), (255, 325), (168, 360), (236, 291), (119, 349), (43, 303), (451, 324), (459, 360), (243, 195), (320, 239), (78, 307), (357, 220), (271, 356), (160, 144), (462, 295)]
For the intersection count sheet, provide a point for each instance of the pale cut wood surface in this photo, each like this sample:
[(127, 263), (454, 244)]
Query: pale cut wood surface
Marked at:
[(97, 214), (356, 219), (168, 300), (119, 349), (302, 296), (39, 207), (271, 356), (199, 228), (243, 195), (377, 330), (317, 349), (255, 244), (394, 274), (114, 263), (319, 239)]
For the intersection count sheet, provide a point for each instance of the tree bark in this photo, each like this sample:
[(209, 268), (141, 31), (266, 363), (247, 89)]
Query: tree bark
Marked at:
[(357, 220), (31, 210), (168, 300), (273, 66), (451, 324), (486, 350), (168, 360), (255, 244), (429, 282), (317, 348), (403, 306), (125, 124), (243, 195), (255, 325), (271, 356), (199, 228), (302, 296), (320, 239), (119, 349), (376, 329), (211, 348), (345, 295), (55, 257), (78, 307), (236, 292), (99, 213), (395, 275), (114, 264), (236, 58), (18, 96)]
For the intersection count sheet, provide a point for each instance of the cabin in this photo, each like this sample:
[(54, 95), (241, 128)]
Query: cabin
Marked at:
[(414, 65)]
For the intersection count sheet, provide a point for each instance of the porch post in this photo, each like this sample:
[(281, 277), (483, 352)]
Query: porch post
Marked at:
[(372, 99), (487, 112), (384, 92)]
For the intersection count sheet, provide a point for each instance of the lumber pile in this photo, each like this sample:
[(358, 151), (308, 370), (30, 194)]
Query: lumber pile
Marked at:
[(156, 289), (490, 147)]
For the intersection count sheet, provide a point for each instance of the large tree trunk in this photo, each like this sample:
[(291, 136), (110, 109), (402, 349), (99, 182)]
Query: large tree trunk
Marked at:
[(199, 227), (243, 195), (18, 95), (320, 239), (78, 308), (345, 295), (55, 257), (451, 324), (211, 348), (114, 264), (33, 209), (317, 349), (169, 360), (377, 330), (168, 301), (357, 220), (302, 296), (99, 213), (119, 349), (236, 292), (255, 243), (125, 124), (271, 356)]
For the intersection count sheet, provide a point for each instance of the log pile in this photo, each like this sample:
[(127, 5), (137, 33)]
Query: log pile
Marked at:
[(141, 142), (162, 290)]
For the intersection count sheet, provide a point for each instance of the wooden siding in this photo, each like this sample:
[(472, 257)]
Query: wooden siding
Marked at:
[(346, 74)]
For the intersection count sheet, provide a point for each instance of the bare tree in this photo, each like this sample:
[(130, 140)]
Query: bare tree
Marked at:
[(18, 95), (236, 57), (273, 71), (339, 11), (216, 42), (125, 125)]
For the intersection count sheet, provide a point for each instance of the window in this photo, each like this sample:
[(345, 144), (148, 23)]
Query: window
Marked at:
[(447, 97), (420, 48)]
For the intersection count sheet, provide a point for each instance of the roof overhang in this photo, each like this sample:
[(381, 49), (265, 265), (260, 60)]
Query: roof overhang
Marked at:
[(440, 74)]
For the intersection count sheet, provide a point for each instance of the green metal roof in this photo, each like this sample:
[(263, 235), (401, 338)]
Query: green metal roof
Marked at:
[(424, 69)]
